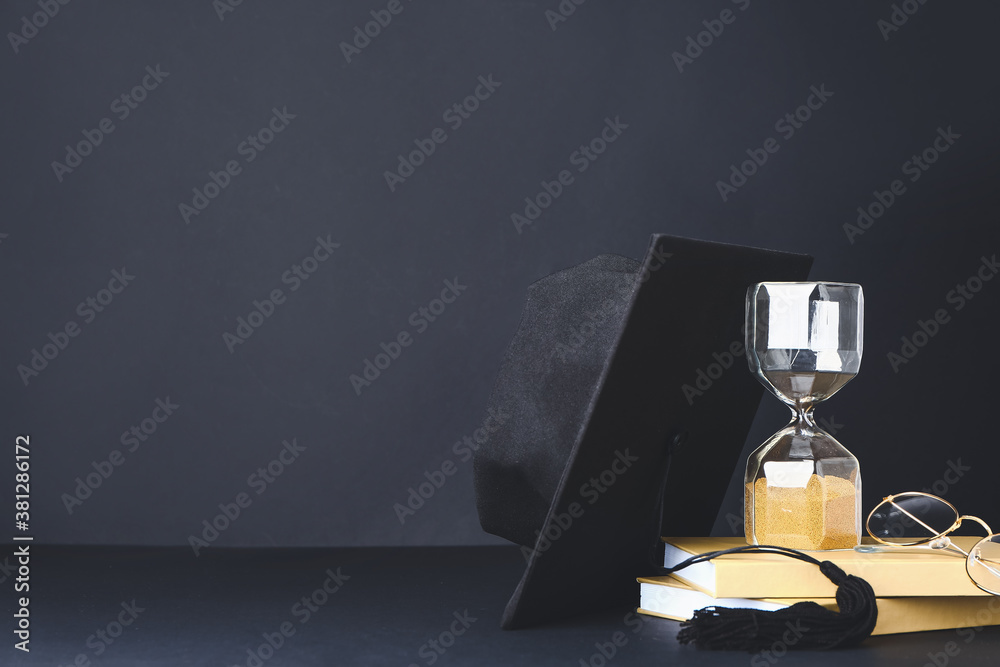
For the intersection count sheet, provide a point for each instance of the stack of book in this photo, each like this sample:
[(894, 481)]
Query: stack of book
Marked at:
[(917, 590)]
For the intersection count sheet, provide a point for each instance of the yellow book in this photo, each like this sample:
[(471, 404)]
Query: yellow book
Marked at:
[(667, 597), (903, 572)]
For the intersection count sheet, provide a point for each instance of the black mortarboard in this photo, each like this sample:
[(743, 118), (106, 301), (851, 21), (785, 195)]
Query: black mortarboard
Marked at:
[(618, 372)]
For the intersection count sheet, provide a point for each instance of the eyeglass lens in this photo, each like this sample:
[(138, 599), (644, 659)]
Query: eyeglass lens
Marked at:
[(911, 518), (983, 564)]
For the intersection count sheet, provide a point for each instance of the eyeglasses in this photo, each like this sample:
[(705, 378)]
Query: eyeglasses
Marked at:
[(915, 518)]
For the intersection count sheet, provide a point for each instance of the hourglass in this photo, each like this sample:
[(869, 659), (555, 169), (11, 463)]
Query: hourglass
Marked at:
[(804, 342)]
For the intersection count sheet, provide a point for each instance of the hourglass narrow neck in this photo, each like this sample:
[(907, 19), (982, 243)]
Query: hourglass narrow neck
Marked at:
[(802, 417)]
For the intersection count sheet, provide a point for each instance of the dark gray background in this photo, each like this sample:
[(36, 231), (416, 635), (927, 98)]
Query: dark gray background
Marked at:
[(324, 175)]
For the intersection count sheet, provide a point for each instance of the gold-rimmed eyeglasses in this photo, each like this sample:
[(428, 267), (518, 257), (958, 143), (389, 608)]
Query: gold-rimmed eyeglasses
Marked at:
[(915, 518)]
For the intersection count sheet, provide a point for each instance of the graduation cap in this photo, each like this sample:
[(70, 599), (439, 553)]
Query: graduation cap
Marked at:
[(628, 401)]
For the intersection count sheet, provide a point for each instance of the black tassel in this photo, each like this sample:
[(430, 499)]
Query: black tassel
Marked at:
[(804, 625)]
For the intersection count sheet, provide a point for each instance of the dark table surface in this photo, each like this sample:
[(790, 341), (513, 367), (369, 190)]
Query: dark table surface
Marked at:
[(215, 609)]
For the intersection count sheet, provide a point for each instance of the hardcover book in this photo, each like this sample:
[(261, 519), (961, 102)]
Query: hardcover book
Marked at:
[(903, 572), (671, 598)]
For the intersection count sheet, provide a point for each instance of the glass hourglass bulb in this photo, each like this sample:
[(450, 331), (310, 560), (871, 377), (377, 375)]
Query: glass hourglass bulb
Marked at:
[(803, 488)]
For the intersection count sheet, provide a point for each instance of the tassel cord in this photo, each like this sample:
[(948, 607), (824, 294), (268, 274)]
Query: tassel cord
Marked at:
[(804, 625)]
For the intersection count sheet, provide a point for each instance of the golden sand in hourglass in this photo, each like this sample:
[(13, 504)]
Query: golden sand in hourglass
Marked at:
[(823, 515)]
